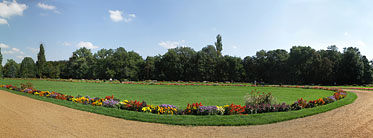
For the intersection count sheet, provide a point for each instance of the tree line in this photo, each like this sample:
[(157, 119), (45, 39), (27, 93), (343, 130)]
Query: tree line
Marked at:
[(302, 65)]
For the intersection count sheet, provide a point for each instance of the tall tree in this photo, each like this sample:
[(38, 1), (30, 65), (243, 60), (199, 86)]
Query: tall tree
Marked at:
[(352, 70), (80, 64), (119, 63), (219, 45), (27, 69), (368, 73), (53, 71), (1, 64), (300, 61), (11, 69), (41, 62), (102, 66), (134, 62)]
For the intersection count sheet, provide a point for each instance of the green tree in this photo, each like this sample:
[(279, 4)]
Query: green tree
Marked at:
[(134, 62), (368, 73), (119, 64), (219, 45), (300, 62), (148, 69), (103, 68), (206, 63), (80, 64), (52, 71), (1, 64), (28, 69), (250, 69), (41, 62), (11, 69), (352, 70)]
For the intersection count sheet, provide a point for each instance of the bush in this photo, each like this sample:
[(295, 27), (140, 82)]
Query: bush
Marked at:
[(256, 98), (28, 85)]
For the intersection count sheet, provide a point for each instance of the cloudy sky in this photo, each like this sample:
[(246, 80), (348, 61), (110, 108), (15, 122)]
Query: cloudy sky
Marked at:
[(151, 27)]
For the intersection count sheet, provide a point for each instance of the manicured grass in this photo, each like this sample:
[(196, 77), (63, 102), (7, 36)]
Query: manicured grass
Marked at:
[(215, 120), (179, 96)]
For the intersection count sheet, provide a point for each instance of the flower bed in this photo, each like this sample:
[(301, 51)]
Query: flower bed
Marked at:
[(191, 109)]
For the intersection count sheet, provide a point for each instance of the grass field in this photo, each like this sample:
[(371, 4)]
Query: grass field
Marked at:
[(175, 95), (180, 96)]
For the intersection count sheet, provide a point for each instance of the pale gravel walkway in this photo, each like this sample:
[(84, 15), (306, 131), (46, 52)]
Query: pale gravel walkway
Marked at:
[(25, 117)]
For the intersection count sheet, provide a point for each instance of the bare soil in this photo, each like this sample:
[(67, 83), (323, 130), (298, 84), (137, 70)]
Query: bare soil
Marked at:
[(25, 117)]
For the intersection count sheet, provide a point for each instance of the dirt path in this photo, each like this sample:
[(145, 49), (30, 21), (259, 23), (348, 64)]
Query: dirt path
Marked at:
[(25, 117)]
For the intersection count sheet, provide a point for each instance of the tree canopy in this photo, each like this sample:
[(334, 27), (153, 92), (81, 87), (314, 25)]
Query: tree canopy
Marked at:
[(300, 65)]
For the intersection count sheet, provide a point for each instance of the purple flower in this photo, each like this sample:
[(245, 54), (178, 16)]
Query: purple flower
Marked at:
[(109, 103), (332, 97), (167, 105), (207, 110)]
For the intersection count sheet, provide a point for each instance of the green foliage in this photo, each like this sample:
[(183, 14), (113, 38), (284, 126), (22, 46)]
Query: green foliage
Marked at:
[(11, 69), (40, 63), (1, 64), (256, 98), (28, 69), (218, 45), (302, 65), (80, 64)]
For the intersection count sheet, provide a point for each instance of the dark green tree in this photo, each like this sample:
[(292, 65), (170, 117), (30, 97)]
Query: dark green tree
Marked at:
[(53, 71), (28, 69), (368, 73), (11, 69), (1, 64), (219, 45), (41, 62), (352, 69), (103, 68), (80, 64)]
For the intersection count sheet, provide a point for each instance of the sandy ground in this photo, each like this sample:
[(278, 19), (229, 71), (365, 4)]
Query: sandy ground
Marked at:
[(25, 117)]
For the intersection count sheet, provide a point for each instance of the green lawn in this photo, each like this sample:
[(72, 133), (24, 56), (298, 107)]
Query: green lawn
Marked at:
[(175, 95), (180, 96)]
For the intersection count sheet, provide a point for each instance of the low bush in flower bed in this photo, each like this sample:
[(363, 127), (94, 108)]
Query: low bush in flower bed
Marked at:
[(256, 102)]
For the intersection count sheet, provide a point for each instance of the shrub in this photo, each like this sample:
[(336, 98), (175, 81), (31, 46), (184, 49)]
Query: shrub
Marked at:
[(27, 85), (255, 98)]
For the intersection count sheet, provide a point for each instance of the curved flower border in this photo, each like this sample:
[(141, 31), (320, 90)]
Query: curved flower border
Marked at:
[(191, 109)]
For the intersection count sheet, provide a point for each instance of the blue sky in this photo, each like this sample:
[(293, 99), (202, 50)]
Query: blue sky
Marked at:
[(151, 27)]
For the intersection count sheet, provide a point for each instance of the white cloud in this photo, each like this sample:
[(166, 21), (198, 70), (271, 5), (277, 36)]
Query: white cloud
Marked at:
[(20, 57), (234, 47), (171, 44), (360, 43), (3, 21), (16, 50), (13, 51), (88, 45), (346, 34), (66, 44), (33, 50), (117, 16), (2, 45), (8, 9), (129, 18), (48, 7)]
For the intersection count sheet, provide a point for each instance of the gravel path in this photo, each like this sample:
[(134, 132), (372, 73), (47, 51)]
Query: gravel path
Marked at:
[(25, 117)]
